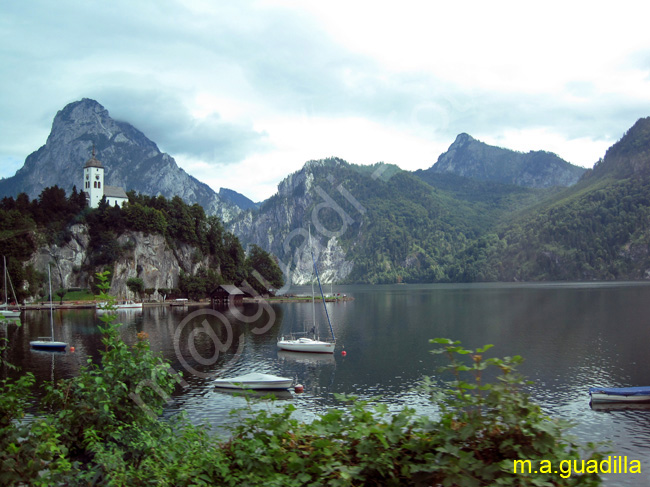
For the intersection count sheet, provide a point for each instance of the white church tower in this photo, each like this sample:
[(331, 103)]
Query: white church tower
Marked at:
[(94, 181), (96, 190)]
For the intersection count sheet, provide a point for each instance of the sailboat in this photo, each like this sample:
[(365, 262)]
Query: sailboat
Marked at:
[(48, 343), (304, 343), (4, 310)]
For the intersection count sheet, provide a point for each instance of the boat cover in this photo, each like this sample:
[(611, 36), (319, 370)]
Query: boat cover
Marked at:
[(621, 391)]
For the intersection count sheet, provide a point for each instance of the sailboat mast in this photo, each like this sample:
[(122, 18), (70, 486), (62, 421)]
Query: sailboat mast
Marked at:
[(313, 260), (49, 278), (5, 261), (313, 302)]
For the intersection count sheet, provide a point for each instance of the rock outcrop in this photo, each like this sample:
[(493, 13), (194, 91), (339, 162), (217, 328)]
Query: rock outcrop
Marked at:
[(280, 227), (147, 257)]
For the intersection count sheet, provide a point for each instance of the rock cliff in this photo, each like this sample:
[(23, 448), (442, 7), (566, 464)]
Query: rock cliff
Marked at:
[(280, 226), (147, 257)]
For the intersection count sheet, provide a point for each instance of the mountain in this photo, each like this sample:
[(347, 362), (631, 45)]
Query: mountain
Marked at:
[(132, 161), (237, 199), (596, 230), (471, 158), (374, 224), (481, 213)]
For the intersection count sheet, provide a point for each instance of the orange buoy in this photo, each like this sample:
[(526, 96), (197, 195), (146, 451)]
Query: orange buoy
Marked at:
[(344, 353), (72, 349), (299, 388)]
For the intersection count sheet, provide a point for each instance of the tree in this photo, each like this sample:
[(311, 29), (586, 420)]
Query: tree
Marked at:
[(234, 260), (259, 261), (192, 287), (149, 291), (60, 293), (136, 285), (163, 291)]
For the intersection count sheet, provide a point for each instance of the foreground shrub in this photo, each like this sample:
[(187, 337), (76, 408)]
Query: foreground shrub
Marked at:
[(484, 427)]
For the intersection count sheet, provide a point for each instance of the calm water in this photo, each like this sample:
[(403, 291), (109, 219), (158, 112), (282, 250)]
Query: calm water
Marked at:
[(572, 336)]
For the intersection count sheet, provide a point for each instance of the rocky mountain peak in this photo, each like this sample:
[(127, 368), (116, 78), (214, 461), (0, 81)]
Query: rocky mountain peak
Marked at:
[(462, 139), (474, 159), (130, 159), (302, 179)]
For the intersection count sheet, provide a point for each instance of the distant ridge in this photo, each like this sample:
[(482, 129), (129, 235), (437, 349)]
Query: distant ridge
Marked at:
[(471, 158), (237, 199)]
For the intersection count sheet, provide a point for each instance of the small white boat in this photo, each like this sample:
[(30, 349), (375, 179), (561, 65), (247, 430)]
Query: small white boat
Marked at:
[(119, 306), (619, 394), (128, 304), (9, 313), (305, 344), (254, 381)]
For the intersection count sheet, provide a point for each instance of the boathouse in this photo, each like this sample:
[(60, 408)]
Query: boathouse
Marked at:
[(226, 294)]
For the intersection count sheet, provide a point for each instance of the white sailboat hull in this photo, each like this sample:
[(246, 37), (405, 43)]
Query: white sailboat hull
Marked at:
[(254, 381), (306, 345)]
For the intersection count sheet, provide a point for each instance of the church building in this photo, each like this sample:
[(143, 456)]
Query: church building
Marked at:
[(94, 185)]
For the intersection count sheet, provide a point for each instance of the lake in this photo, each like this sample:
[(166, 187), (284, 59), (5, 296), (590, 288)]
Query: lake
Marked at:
[(571, 335)]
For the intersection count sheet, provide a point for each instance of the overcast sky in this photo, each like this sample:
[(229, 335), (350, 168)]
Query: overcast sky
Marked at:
[(243, 93)]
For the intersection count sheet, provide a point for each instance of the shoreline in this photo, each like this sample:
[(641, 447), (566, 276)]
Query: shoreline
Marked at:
[(45, 306)]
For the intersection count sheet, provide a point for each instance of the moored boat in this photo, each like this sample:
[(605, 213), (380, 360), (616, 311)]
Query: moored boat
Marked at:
[(315, 344), (305, 344), (119, 306), (254, 381), (9, 313), (619, 394), (48, 343), (4, 309)]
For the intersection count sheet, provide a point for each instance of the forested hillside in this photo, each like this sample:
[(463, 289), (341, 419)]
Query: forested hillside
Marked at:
[(598, 229), (388, 225), (48, 220)]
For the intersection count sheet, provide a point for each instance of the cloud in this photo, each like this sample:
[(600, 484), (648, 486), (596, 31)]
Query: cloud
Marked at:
[(165, 119), (279, 82)]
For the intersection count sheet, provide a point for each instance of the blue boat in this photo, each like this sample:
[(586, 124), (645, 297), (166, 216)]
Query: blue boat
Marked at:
[(620, 394)]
